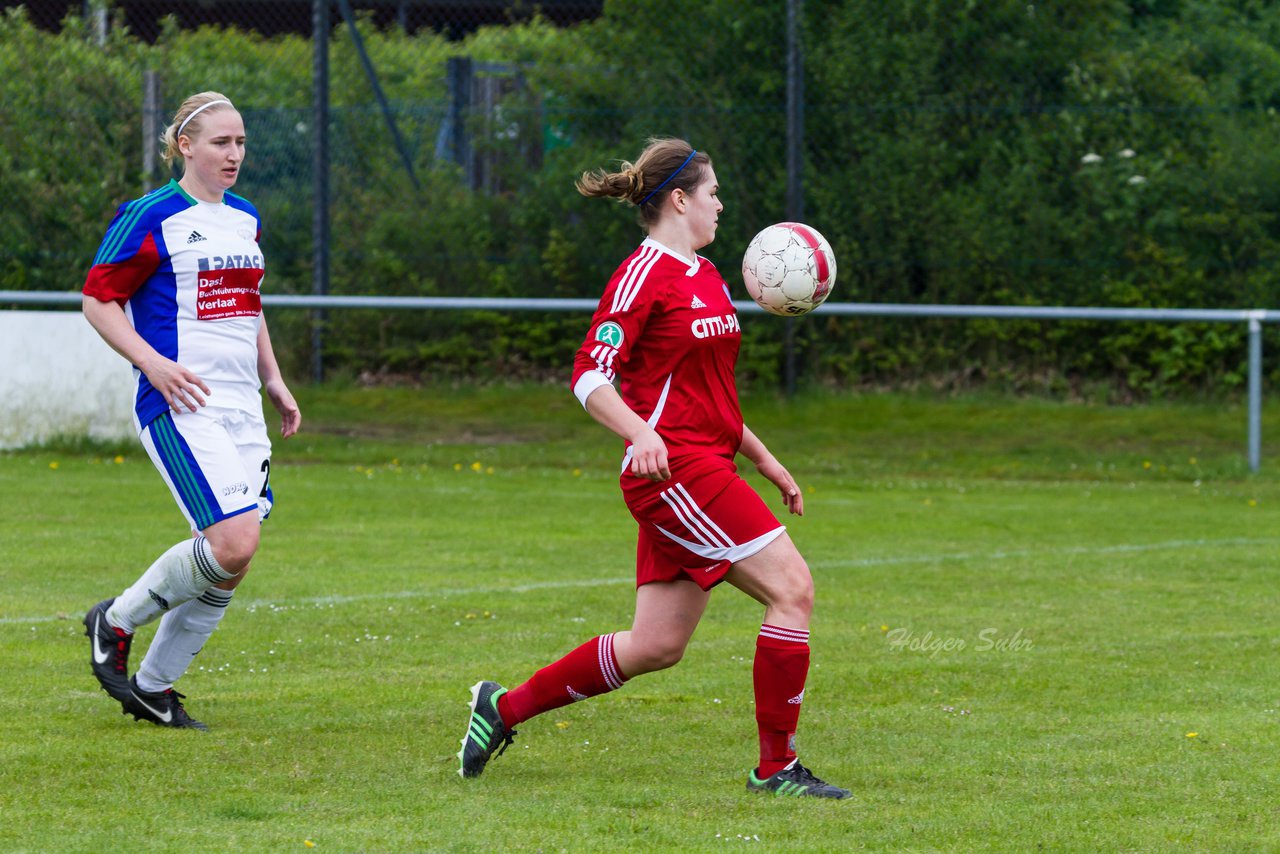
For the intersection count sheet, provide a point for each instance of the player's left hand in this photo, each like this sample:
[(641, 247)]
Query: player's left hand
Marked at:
[(282, 400), (781, 478)]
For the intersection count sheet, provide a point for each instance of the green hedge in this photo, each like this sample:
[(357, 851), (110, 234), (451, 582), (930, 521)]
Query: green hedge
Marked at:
[(1085, 152)]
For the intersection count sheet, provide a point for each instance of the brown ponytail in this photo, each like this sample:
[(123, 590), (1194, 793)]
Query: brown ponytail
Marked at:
[(661, 161)]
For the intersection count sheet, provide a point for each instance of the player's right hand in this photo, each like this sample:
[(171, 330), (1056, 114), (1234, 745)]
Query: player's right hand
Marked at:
[(180, 387), (649, 457)]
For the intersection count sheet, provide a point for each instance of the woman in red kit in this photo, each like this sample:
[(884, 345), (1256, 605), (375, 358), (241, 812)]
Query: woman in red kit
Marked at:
[(667, 333)]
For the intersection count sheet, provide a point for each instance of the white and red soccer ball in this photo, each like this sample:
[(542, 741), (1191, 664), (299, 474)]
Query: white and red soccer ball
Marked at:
[(789, 269)]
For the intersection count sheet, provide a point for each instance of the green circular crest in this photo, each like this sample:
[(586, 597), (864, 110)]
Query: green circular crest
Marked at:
[(609, 333)]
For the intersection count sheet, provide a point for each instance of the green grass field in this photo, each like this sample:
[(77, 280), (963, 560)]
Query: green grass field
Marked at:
[(1040, 626)]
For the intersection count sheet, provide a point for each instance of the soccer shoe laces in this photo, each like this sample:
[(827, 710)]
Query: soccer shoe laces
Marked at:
[(805, 777), (120, 661), (508, 738), (175, 703)]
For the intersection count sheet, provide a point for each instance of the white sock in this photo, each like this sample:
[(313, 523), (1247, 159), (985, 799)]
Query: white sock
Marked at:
[(181, 634), (179, 575)]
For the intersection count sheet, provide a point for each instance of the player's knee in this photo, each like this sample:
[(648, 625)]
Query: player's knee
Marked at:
[(658, 655), (794, 591), (803, 593), (234, 557), (235, 548)]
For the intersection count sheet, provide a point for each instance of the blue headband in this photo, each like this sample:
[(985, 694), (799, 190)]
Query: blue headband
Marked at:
[(679, 169)]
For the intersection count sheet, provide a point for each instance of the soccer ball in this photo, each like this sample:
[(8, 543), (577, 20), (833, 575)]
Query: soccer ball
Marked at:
[(789, 269)]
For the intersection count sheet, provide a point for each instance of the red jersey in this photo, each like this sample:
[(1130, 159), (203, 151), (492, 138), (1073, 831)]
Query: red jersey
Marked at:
[(670, 333)]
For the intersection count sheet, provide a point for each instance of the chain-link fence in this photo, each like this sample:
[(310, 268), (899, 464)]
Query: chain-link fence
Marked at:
[(1004, 152)]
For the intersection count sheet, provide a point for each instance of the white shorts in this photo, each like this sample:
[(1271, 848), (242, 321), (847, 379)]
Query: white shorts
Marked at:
[(217, 462)]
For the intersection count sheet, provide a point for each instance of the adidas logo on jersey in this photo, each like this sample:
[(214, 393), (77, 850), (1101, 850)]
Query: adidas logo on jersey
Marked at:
[(697, 303), (196, 237)]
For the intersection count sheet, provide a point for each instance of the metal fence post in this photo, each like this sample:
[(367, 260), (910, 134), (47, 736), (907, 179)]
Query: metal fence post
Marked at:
[(151, 110), (95, 12), (320, 165), (460, 74), (795, 163), (1255, 389)]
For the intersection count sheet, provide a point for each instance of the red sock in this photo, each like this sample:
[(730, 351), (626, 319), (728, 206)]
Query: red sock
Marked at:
[(589, 670), (781, 665)]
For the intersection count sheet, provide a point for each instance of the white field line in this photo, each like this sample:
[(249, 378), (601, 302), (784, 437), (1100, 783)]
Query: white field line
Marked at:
[(1123, 548), (427, 592)]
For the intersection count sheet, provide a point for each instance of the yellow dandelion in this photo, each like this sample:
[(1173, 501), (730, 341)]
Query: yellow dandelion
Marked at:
[(1253, 502), (54, 465), (477, 465), (1146, 464), (884, 628), (577, 472), (308, 843), (471, 616), (562, 724), (457, 466), (1192, 734), (1192, 461), (119, 460)]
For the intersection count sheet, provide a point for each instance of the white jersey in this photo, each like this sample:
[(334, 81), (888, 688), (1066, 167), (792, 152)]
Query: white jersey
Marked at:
[(188, 274)]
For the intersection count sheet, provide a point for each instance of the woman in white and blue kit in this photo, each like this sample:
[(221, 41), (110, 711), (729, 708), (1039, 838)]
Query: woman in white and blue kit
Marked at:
[(174, 289)]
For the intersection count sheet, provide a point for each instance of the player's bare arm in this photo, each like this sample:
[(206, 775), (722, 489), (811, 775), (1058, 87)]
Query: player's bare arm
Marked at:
[(767, 464), (277, 392), (179, 386), (648, 451)]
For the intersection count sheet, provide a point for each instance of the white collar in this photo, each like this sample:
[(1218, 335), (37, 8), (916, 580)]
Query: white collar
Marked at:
[(692, 265)]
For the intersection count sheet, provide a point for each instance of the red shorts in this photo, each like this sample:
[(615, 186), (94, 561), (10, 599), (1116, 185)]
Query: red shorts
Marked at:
[(698, 523)]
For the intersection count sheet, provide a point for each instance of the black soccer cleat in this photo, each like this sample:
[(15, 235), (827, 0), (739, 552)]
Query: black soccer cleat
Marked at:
[(163, 708), (485, 730), (795, 781), (110, 657)]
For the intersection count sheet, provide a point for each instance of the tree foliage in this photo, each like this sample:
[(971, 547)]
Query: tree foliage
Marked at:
[(1085, 152)]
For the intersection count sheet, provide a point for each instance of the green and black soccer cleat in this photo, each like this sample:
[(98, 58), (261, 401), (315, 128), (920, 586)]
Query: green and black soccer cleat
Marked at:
[(485, 730), (795, 781)]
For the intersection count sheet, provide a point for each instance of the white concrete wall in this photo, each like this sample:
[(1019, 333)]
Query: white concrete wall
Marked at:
[(58, 378)]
